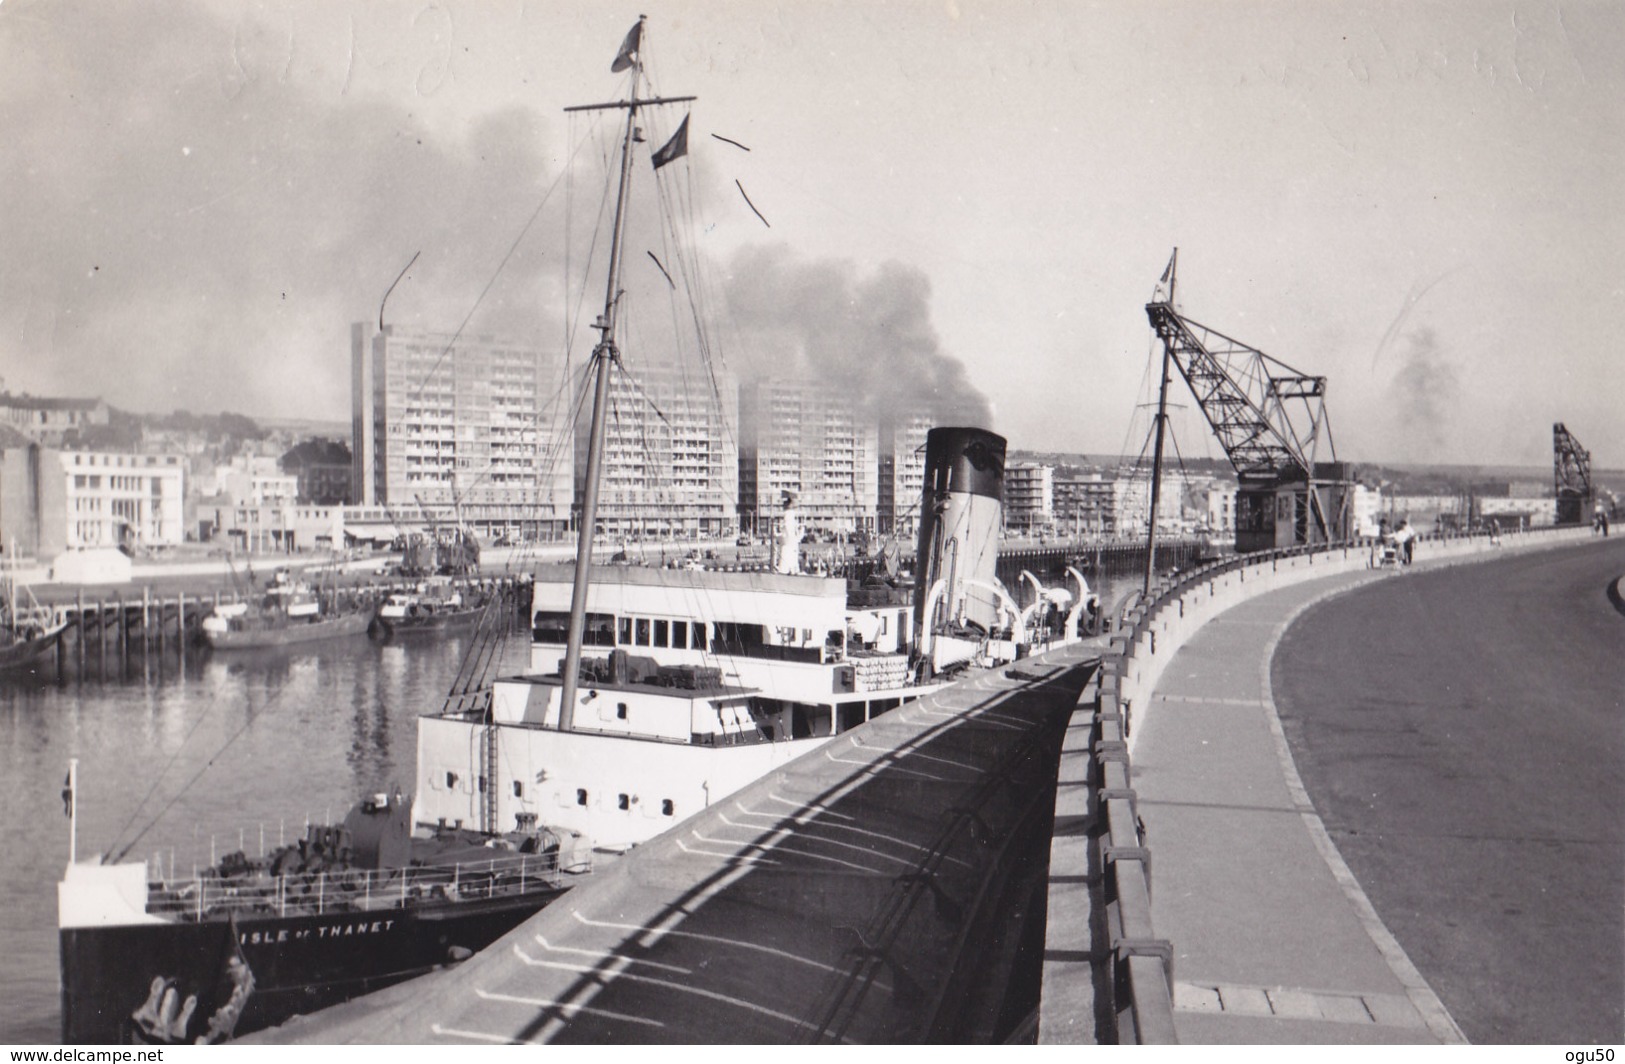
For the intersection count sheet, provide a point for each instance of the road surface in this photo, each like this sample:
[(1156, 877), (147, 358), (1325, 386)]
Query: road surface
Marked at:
[(1462, 734)]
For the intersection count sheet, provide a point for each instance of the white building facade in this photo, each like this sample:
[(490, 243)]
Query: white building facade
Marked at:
[(130, 499)]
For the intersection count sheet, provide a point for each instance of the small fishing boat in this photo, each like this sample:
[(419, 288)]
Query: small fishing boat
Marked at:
[(28, 632), (289, 611)]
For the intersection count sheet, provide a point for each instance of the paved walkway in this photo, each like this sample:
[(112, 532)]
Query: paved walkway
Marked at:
[(1274, 942)]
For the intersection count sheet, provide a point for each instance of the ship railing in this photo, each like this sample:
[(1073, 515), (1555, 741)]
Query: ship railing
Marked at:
[(353, 890)]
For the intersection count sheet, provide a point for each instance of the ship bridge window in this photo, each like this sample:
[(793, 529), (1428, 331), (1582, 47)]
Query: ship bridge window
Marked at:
[(733, 635), (679, 634), (552, 628), (624, 632), (642, 630), (662, 633), (696, 635)]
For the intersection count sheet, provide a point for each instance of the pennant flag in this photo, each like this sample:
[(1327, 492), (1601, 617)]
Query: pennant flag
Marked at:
[(67, 795), (675, 148), (629, 49)]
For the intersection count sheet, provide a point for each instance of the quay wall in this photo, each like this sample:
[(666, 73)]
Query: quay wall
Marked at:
[(1111, 952)]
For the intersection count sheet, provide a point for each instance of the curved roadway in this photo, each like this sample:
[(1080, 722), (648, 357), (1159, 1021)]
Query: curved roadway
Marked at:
[(1462, 734)]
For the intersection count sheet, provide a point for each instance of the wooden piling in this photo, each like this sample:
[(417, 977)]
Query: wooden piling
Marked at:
[(79, 602)]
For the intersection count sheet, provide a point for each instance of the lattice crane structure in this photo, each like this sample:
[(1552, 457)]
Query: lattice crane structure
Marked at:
[(1571, 466), (1273, 424)]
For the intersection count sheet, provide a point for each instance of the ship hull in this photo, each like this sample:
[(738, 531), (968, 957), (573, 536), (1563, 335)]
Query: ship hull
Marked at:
[(289, 634), (299, 963), (26, 653), (427, 621)]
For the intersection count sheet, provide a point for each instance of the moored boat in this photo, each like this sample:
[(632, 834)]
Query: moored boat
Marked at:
[(287, 612), (251, 942), (27, 646), (433, 605), (28, 633)]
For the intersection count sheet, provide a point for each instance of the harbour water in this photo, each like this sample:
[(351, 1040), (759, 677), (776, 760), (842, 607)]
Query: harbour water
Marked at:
[(184, 759), (219, 753)]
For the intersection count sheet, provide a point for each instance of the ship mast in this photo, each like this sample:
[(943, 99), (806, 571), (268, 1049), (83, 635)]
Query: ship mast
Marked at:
[(603, 355)]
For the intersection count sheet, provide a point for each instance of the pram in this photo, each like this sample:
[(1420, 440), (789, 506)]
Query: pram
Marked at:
[(1387, 552)]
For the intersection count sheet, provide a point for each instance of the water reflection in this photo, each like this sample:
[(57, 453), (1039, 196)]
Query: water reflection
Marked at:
[(185, 753)]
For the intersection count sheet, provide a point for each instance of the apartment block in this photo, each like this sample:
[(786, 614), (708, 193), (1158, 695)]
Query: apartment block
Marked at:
[(1084, 504), (810, 441), (671, 453), (901, 471), (474, 428), (1029, 495)]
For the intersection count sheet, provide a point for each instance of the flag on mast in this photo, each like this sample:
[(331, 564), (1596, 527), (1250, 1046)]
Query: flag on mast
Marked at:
[(629, 49), (675, 148), (67, 794)]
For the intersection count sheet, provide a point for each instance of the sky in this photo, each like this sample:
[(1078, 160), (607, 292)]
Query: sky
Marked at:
[(1420, 201)]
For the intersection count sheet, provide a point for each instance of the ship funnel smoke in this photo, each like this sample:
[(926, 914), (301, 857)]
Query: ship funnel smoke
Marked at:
[(870, 334)]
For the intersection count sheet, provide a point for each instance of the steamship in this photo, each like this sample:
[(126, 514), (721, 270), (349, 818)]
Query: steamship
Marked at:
[(649, 695), (691, 684)]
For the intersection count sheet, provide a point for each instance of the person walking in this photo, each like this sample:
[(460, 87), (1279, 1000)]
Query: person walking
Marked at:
[(1405, 540)]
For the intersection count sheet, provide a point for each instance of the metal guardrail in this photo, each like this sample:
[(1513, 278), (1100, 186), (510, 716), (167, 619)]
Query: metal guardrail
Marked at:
[(1142, 967), (352, 890)]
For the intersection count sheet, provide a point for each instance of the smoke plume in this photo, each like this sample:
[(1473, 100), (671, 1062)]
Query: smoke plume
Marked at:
[(871, 334), (189, 217), (1423, 397)]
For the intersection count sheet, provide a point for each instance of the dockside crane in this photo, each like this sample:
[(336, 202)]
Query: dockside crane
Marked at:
[(1571, 466), (1272, 422)]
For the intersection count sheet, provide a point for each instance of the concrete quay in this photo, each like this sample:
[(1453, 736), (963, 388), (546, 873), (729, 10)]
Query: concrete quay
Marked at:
[(1195, 895)]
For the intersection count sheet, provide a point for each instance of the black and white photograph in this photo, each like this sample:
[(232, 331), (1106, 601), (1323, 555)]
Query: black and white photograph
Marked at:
[(812, 522)]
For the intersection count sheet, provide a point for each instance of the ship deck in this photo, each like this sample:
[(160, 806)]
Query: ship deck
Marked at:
[(827, 902)]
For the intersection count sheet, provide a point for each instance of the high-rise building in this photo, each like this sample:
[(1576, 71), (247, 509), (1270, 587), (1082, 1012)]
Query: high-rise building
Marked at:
[(671, 453), (1029, 495), (472, 428), (1083, 504), (901, 471), (810, 441)]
